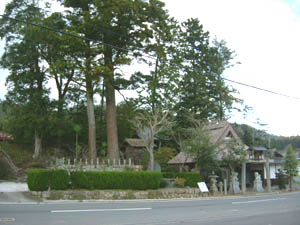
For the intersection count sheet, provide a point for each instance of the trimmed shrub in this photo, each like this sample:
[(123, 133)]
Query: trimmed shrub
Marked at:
[(42, 179), (38, 179), (163, 183), (79, 180), (179, 182), (115, 180), (191, 178), (59, 179)]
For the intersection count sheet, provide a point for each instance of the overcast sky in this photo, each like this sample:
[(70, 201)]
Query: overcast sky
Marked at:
[(265, 35)]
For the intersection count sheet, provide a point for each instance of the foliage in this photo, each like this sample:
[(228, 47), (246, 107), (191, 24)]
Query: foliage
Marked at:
[(163, 156), (38, 179), (290, 164), (163, 183), (5, 170), (234, 154), (201, 87), (197, 145), (281, 180), (179, 182), (191, 178), (59, 179), (42, 179), (115, 180), (79, 180)]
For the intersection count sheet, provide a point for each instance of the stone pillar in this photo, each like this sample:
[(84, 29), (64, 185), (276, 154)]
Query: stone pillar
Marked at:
[(225, 187), (244, 178), (220, 187), (268, 175)]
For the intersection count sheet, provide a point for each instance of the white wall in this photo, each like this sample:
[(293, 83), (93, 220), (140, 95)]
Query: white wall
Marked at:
[(273, 170)]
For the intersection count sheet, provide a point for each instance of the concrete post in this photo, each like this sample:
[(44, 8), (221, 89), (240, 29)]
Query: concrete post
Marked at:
[(244, 178), (225, 187), (268, 175)]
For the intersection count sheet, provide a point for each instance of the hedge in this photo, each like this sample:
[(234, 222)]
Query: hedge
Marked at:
[(42, 179), (59, 179), (38, 179), (115, 180), (191, 178)]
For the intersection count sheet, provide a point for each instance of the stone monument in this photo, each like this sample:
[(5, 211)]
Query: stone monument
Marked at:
[(220, 184), (234, 184), (257, 186), (213, 183)]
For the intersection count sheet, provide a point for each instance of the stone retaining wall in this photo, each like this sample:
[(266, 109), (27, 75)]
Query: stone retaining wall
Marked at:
[(166, 193)]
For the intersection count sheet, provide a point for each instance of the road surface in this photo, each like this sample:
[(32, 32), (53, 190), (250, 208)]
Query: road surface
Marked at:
[(274, 209)]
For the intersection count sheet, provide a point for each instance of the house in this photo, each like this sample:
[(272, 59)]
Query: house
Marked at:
[(220, 134), (135, 150), (257, 158)]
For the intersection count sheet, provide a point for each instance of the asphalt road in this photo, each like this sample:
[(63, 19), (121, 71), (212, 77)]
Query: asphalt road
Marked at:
[(275, 209)]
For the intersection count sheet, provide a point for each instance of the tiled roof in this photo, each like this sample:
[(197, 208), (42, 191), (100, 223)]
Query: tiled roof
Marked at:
[(181, 157), (135, 142), (217, 130)]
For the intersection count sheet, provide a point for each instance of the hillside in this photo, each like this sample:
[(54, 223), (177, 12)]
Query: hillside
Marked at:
[(254, 137)]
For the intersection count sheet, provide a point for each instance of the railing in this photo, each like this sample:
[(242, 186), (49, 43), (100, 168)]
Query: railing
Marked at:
[(258, 158), (98, 165)]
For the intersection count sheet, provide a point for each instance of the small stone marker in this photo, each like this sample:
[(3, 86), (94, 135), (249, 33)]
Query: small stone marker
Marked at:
[(213, 183), (202, 186)]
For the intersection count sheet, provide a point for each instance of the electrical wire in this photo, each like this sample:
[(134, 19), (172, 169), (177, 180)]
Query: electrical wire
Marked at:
[(260, 89), (144, 54), (76, 36)]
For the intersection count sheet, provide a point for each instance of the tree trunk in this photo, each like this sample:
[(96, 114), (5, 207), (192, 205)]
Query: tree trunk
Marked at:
[(111, 123), (151, 160), (111, 114), (37, 145), (92, 126)]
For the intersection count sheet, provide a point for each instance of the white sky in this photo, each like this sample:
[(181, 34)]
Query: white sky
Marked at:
[(265, 35)]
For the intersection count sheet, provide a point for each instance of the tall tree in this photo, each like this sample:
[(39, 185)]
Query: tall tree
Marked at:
[(202, 90), (26, 81), (290, 164), (119, 28)]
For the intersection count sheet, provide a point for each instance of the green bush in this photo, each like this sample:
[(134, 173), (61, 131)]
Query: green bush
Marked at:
[(163, 183), (115, 180), (59, 179), (42, 179), (38, 179), (79, 180), (191, 178), (179, 182)]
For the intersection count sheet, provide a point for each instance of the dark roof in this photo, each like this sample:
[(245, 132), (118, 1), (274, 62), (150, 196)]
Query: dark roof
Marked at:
[(135, 142), (217, 131), (258, 148), (5, 137), (182, 157)]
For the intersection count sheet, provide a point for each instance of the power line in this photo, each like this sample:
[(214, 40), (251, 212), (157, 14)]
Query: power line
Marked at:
[(261, 89), (76, 36), (127, 50)]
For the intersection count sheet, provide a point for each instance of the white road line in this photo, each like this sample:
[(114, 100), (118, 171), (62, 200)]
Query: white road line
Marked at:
[(98, 210), (254, 201)]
